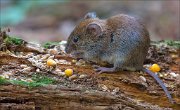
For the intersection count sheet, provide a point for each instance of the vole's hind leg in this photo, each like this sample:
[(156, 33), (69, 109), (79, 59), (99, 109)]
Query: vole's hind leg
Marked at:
[(118, 66), (100, 69), (104, 69)]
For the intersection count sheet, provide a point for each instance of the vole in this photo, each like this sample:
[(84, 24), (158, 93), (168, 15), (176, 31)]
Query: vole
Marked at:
[(120, 40)]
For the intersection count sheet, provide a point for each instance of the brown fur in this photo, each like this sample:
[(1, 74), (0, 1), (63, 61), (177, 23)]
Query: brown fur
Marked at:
[(123, 42)]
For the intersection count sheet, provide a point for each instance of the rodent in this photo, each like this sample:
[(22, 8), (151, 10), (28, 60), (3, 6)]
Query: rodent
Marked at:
[(120, 40)]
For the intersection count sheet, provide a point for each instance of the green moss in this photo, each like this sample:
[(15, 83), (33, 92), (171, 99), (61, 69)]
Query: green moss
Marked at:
[(50, 44), (13, 40), (173, 43), (42, 79), (27, 84), (38, 80), (3, 81)]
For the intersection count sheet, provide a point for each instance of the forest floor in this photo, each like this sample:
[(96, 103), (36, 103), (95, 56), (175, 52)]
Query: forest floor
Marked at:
[(28, 82)]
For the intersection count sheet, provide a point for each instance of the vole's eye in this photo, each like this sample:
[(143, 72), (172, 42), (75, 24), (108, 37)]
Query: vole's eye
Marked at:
[(75, 39)]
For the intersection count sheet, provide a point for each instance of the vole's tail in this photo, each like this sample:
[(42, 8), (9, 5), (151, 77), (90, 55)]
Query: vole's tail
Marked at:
[(160, 83)]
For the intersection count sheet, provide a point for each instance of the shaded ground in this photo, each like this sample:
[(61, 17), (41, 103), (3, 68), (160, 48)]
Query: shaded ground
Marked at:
[(121, 90)]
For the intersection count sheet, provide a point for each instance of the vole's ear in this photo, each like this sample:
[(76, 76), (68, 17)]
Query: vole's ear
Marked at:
[(94, 29), (90, 15)]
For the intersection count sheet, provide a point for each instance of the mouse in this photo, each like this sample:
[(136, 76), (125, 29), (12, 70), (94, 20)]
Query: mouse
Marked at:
[(121, 40)]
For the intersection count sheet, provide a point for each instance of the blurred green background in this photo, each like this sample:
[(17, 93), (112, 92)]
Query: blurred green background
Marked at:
[(53, 20)]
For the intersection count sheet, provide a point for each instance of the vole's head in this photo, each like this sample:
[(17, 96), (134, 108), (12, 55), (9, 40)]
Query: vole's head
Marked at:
[(85, 38)]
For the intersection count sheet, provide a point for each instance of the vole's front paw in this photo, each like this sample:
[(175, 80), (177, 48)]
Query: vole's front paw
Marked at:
[(103, 69)]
